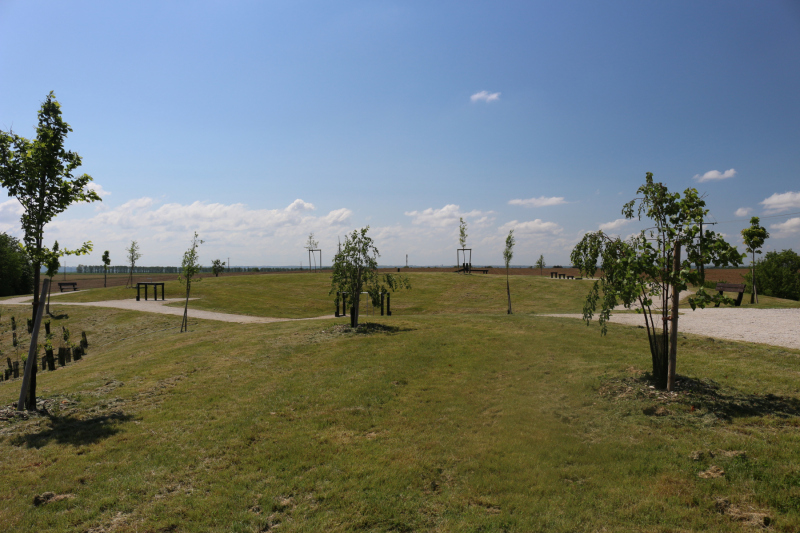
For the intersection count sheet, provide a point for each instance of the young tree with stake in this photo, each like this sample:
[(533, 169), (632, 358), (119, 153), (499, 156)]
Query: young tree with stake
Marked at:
[(508, 253), (39, 174), (540, 265), (355, 270), (133, 256), (651, 267), (106, 262), (190, 267), (754, 238)]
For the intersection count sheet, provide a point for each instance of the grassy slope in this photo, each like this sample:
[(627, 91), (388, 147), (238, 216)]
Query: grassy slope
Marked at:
[(306, 295), (475, 422)]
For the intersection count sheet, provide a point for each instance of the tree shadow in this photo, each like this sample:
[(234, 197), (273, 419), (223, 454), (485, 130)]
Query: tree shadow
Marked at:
[(727, 403), (366, 328), (74, 431), (58, 317)]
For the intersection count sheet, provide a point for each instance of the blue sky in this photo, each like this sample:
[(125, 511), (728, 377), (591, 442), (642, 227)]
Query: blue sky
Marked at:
[(255, 123)]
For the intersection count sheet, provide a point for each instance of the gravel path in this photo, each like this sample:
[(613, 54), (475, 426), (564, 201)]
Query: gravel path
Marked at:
[(778, 327), (153, 306)]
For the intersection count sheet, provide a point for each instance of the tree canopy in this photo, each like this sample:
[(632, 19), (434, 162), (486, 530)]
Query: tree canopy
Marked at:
[(778, 275), (39, 174), (355, 270), (16, 274), (650, 269)]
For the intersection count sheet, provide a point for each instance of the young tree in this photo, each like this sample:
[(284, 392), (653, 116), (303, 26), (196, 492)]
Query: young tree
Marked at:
[(508, 253), (217, 266), (650, 266), (462, 233), (311, 245), (133, 256), (540, 265), (190, 267), (754, 238), (106, 262), (355, 270), (39, 173)]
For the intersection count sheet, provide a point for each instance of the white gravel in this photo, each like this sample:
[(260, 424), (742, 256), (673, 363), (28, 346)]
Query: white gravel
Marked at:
[(778, 327), (159, 306)]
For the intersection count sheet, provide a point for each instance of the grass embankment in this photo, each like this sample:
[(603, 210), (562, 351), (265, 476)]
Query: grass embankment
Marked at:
[(306, 295), (440, 422)]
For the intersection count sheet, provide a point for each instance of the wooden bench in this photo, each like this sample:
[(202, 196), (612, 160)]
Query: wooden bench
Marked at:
[(72, 284), (731, 287)]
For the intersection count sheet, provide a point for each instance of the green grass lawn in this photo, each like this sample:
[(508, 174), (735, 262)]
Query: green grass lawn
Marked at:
[(306, 295), (471, 421)]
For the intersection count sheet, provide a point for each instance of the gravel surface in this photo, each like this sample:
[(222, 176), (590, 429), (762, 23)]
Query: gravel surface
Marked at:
[(153, 306), (778, 327)]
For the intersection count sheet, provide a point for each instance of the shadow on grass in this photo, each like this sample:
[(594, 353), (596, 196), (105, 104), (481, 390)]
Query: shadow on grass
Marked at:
[(727, 404), (58, 317), (366, 328), (703, 396), (74, 431)]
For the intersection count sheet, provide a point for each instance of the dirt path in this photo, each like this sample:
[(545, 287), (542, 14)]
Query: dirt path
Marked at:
[(160, 307), (778, 327)]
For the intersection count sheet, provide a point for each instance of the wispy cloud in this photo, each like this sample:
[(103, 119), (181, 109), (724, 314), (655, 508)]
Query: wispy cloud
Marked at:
[(714, 175), (542, 201), (530, 227), (743, 211), (485, 96), (785, 229), (615, 225), (782, 202), (448, 216)]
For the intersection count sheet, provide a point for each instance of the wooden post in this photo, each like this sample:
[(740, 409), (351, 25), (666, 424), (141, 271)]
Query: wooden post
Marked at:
[(51, 362), (15, 370), (388, 304), (28, 391), (673, 334), (383, 294), (62, 356), (352, 317)]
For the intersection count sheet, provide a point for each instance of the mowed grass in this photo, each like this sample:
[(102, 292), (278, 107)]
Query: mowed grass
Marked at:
[(306, 295), (460, 422)]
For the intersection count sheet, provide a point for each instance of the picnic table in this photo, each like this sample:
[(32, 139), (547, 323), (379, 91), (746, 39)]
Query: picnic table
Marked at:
[(155, 285)]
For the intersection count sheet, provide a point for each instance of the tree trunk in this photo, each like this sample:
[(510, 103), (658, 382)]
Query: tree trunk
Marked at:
[(508, 290), (105, 278), (753, 297), (185, 322), (673, 341)]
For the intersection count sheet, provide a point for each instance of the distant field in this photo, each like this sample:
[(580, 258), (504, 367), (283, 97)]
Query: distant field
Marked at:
[(306, 295)]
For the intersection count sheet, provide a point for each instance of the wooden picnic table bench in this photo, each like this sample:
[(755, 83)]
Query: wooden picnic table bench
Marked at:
[(731, 287), (62, 284)]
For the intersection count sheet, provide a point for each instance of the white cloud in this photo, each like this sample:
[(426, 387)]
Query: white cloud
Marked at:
[(530, 227), (96, 187), (253, 236), (743, 211), (781, 202), (485, 96), (785, 229), (10, 213), (448, 216), (615, 225), (542, 201), (713, 175)]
